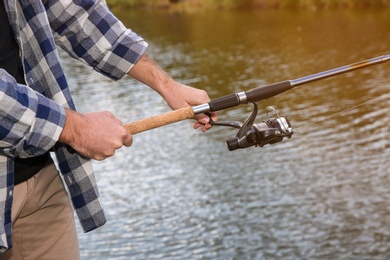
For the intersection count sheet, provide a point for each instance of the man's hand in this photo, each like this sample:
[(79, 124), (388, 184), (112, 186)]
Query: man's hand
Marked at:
[(178, 95), (175, 94), (94, 135)]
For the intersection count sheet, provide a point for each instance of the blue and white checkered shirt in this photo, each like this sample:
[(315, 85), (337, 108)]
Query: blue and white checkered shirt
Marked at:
[(32, 117)]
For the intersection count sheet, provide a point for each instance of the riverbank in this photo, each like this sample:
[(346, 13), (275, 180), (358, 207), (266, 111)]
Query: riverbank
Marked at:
[(245, 4)]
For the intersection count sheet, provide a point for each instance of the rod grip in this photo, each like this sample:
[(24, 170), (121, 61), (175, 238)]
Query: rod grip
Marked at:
[(159, 120), (224, 102)]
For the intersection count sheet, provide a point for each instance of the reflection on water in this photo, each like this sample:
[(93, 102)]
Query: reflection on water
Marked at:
[(179, 194)]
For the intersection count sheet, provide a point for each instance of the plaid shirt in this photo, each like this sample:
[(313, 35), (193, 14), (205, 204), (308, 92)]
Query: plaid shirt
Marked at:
[(33, 117)]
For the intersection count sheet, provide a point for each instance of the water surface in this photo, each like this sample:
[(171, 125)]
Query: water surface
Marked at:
[(180, 194)]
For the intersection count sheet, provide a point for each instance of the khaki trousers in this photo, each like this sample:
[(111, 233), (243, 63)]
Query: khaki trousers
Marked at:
[(43, 220)]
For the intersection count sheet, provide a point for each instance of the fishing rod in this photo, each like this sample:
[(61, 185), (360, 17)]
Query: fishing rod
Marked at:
[(271, 130)]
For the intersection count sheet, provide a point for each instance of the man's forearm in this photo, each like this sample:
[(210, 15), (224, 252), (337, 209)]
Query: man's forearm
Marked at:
[(149, 73)]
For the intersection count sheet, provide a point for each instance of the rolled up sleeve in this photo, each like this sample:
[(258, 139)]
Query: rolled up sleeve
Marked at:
[(30, 123), (88, 31)]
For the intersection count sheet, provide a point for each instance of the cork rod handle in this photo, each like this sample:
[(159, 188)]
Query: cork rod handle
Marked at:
[(160, 120)]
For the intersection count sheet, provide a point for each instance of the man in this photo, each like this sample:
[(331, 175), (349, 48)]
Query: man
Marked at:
[(38, 116)]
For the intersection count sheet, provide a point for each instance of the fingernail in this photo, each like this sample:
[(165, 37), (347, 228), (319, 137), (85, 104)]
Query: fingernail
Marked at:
[(204, 120)]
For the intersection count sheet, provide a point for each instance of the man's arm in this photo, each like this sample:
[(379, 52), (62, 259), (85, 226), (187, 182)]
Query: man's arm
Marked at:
[(30, 122), (174, 93), (114, 51), (98, 135)]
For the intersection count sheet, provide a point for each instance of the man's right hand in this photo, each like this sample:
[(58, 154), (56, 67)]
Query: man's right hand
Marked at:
[(94, 135)]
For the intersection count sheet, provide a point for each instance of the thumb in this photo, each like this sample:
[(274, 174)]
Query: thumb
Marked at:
[(128, 140)]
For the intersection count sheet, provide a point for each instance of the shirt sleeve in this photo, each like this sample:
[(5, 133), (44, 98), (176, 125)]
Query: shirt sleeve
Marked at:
[(30, 123), (88, 31)]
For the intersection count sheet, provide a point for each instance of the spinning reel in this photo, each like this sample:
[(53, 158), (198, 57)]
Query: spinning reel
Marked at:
[(270, 131)]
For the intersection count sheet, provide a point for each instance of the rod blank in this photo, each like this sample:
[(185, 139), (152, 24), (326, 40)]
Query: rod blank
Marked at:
[(235, 99)]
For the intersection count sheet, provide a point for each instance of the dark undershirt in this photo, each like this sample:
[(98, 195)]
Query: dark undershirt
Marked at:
[(11, 62)]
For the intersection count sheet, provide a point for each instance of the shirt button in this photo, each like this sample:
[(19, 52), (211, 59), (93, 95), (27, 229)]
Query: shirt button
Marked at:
[(10, 193)]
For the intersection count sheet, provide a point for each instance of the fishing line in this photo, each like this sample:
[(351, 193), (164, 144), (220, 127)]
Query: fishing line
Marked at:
[(343, 111)]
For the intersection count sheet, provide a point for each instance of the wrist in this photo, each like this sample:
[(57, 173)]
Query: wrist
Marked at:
[(73, 120), (166, 87)]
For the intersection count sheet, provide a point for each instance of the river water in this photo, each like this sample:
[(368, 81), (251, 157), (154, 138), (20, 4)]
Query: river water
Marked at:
[(180, 194)]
